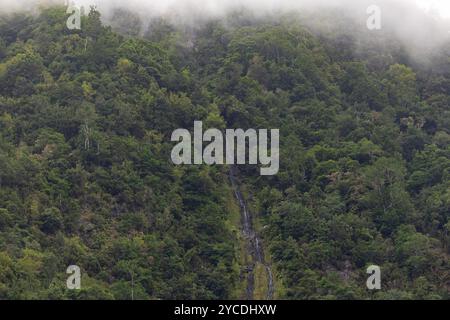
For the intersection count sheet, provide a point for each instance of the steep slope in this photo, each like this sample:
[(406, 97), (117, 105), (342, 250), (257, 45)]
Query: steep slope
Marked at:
[(86, 178)]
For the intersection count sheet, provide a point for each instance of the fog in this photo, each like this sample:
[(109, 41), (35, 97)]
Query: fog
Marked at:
[(417, 23), (216, 8), (401, 11)]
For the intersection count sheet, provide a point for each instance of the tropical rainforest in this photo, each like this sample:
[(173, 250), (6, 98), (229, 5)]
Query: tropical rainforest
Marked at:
[(86, 177)]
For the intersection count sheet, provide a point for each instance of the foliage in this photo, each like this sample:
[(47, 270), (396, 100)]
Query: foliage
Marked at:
[(86, 177)]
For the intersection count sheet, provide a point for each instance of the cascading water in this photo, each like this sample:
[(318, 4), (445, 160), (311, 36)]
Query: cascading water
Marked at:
[(254, 247)]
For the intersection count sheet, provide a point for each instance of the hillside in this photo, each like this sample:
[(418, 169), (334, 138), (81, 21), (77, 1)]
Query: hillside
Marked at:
[(86, 178)]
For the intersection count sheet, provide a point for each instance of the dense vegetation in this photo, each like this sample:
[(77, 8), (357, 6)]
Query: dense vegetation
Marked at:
[(86, 178)]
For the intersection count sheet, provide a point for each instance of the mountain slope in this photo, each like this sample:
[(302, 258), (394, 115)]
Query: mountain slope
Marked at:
[(86, 177)]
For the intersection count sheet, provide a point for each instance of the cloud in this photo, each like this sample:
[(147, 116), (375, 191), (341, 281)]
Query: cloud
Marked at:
[(220, 7), (416, 22)]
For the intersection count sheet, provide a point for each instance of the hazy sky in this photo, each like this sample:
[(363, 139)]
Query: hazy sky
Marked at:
[(440, 6), (215, 7)]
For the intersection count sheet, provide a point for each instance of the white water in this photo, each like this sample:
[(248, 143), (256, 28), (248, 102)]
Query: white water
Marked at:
[(254, 243)]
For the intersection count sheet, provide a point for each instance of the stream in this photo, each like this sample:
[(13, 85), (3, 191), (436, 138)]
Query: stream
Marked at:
[(253, 245)]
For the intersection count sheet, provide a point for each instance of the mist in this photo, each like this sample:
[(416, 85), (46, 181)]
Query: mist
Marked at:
[(418, 29), (403, 12)]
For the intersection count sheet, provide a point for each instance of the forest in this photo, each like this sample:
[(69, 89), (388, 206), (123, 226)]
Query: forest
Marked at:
[(86, 178)]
